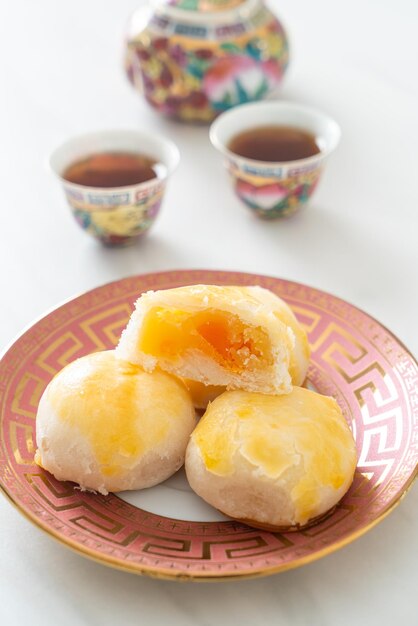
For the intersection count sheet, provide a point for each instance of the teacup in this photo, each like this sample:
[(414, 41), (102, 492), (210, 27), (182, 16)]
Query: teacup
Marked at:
[(274, 189), (116, 215)]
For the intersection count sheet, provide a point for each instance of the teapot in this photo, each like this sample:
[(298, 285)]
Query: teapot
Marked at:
[(194, 59)]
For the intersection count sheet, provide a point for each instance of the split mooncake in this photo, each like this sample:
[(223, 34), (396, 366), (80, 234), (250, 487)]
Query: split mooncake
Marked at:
[(237, 337)]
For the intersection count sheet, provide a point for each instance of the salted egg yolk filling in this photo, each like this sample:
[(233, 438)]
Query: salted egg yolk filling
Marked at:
[(222, 336)]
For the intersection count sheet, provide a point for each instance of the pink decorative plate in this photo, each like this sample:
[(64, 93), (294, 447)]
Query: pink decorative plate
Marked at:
[(354, 358)]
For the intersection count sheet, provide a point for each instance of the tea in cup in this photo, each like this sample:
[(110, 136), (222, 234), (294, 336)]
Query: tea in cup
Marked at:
[(114, 181), (275, 153)]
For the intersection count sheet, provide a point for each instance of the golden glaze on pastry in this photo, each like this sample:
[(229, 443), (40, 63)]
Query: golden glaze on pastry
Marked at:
[(274, 461), (239, 337), (108, 425)]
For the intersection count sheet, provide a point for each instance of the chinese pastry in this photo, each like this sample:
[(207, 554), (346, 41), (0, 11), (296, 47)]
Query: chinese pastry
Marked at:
[(238, 337), (274, 462), (202, 394), (109, 426)]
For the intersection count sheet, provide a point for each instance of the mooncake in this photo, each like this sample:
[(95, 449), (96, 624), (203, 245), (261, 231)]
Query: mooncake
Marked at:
[(237, 337), (202, 394), (109, 426), (273, 462)]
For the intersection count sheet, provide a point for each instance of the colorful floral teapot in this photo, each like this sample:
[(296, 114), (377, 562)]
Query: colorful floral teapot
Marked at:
[(193, 59)]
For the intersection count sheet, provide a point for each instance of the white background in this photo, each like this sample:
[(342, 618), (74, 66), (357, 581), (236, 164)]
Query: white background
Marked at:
[(60, 74)]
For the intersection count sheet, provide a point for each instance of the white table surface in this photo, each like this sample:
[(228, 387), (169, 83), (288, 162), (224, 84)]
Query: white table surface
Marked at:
[(60, 74)]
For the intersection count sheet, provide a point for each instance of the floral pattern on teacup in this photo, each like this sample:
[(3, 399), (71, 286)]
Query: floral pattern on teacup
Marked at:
[(271, 199), (116, 223)]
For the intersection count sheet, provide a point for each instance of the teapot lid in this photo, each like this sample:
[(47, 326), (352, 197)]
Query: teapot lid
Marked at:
[(210, 11), (205, 6)]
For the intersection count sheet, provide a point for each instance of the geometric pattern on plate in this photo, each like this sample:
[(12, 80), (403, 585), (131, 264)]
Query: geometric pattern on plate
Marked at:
[(354, 358)]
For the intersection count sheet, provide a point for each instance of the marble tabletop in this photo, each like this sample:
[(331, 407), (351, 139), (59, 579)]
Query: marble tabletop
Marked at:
[(60, 74)]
